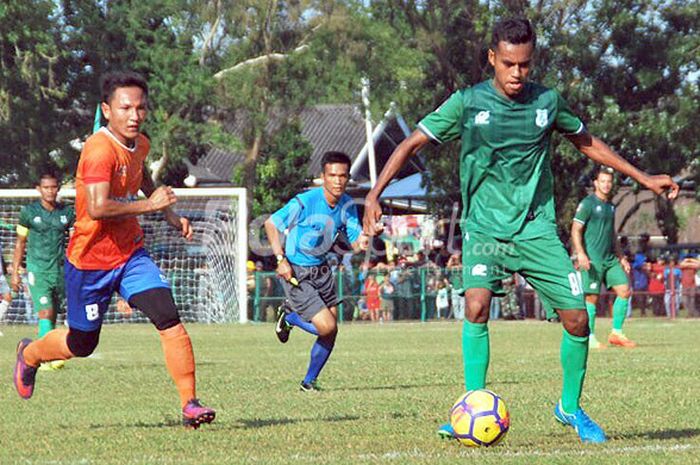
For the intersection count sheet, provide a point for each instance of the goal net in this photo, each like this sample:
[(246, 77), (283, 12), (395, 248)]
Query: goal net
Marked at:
[(207, 274)]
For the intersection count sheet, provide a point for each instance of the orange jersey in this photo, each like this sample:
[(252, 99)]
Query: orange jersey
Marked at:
[(107, 244)]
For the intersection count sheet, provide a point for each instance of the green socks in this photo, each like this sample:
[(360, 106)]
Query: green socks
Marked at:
[(619, 313), (475, 350), (44, 327), (590, 308), (574, 355)]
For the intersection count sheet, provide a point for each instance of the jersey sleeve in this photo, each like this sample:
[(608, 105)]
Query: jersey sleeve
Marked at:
[(97, 162), (287, 215), (583, 212), (24, 222), (352, 223), (566, 122), (445, 123)]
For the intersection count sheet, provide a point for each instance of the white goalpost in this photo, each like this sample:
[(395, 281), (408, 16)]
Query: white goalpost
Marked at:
[(207, 274)]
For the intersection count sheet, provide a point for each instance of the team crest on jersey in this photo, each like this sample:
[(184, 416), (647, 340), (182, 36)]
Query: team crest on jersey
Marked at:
[(542, 118), (37, 219), (598, 208), (482, 117), (479, 270), (64, 219)]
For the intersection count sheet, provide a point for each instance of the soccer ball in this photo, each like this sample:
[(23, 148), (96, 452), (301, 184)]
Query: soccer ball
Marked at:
[(480, 418)]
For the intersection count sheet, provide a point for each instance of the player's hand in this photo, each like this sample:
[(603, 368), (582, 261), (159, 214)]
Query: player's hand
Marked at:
[(284, 270), (363, 242), (371, 224), (162, 198), (15, 282), (625, 265), (180, 223), (584, 263), (660, 183)]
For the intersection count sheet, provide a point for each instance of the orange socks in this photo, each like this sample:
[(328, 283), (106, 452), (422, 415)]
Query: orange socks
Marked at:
[(52, 346), (179, 358)]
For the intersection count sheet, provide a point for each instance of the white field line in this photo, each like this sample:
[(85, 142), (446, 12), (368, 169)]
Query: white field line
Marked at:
[(505, 453)]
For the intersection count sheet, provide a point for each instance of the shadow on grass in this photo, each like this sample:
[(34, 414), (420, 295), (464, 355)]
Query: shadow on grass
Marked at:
[(389, 388), (684, 433), (264, 422)]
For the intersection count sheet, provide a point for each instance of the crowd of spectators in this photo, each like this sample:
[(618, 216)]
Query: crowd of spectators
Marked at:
[(428, 285)]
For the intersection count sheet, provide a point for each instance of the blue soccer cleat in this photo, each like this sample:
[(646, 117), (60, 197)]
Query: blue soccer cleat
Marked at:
[(446, 432), (587, 429)]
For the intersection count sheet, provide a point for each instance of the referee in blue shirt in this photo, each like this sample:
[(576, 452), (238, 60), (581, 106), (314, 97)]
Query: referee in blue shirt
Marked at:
[(311, 221)]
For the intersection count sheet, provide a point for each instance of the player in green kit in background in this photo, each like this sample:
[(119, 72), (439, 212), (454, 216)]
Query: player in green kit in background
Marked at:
[(599, 257), (43, 232), (508, 221)]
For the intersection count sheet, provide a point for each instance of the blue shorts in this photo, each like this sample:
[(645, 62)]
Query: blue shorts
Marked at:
[(89, 292)]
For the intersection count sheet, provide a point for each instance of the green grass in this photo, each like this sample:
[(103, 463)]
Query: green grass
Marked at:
[(387, 388)]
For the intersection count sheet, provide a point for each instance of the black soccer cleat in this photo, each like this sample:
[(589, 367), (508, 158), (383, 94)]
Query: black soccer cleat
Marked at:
[(282, 328)]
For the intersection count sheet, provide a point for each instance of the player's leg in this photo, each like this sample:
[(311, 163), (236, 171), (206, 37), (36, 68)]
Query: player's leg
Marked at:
[(145, 288), (326, 324), (545, 264), (5, 297), (591, 280), (88, 294), (484, 263), (616, 278)]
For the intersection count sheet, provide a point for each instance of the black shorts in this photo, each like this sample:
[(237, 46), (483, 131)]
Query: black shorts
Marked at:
[(316, 290)]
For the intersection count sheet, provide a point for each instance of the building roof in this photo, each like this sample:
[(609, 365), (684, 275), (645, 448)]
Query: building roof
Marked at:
[(327, 128)]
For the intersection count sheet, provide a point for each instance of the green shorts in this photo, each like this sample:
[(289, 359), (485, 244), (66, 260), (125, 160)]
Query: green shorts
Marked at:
[(609, 271), (542, 261), (47, 290)]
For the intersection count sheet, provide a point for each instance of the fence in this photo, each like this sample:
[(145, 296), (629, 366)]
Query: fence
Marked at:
[(416, 296)]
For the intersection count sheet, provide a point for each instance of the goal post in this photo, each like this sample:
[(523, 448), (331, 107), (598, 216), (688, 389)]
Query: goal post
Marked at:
[(207, 274)]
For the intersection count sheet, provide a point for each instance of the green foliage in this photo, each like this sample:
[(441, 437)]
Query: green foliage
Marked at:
[(34, 82), (280, 170)]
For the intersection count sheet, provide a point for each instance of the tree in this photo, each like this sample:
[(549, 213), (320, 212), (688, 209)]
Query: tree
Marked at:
[(33, 91), (625, 67)]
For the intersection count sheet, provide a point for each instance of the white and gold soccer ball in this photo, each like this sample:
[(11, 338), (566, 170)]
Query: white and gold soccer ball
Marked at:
[(480, 418)]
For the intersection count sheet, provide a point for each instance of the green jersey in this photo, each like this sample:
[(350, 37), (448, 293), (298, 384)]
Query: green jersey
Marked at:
[(47, 233), (599, 219), (505, 172)]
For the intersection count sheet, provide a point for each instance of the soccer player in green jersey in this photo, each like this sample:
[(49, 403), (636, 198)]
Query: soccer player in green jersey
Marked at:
[(600, 258), (42, 231), (505, 125)]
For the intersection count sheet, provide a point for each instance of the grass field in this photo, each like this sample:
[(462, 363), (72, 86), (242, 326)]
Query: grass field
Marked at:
[(387, 388)]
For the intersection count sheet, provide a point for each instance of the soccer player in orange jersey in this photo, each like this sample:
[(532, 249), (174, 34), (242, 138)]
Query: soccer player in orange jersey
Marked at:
[(106, 254)]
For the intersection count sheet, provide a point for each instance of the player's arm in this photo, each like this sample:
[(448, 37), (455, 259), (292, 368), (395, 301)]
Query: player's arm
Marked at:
[(20, 247), (601, 153), (692, 263), (178, 222), (284, 269), (406, 149), (101, 207)]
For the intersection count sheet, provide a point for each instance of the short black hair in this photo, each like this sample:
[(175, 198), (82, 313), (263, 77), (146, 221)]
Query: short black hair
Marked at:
[(335, 157), (602, 169), (109, 82), (48, 174), (513, 31)]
